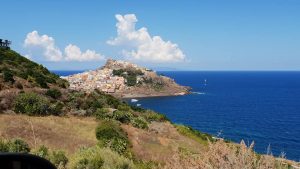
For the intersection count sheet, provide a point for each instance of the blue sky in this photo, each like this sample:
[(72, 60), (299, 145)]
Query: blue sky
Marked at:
[(209, 35)]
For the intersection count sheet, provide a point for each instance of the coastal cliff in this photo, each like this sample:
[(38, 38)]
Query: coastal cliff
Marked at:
[(126, 80)]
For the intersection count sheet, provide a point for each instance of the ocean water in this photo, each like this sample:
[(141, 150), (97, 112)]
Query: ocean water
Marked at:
[(263, 107)]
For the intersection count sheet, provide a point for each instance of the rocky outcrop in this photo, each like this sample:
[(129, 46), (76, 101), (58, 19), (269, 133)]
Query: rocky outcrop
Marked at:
[(126, 80)]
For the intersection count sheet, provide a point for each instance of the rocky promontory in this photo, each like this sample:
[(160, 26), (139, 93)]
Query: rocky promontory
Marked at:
[(126, 80)]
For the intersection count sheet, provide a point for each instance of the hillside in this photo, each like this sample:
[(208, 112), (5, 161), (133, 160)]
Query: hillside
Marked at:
[(92, 129), (15, 68), (126, 80)]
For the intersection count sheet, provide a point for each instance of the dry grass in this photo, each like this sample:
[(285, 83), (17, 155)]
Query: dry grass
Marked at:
[(66, 133), (160, 142), (221, 155)]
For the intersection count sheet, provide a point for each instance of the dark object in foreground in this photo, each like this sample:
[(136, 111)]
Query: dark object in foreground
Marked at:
[(23, 161), (5, 44)]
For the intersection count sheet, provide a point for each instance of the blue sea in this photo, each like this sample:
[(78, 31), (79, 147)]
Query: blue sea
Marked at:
[(263, 107)]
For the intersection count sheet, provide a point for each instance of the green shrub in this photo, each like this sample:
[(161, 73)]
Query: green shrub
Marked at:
[(110, 134), (122, 116), (139, 122), (118, 145), (18, 146), (56, 108), (103, 113), (8, 76), (4, 147), (118, 72), (153, 116), (41, 81), (131, 80), (58, 158), (43, 152), (112, 101), (124, 107), (31, 104), (90, 163), (54, 93), (97, 157), (62, 83)]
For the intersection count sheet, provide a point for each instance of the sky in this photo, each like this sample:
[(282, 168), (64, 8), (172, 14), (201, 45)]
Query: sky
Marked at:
[(162, 35)]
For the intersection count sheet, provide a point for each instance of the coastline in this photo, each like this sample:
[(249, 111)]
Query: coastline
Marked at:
[(136, 95)]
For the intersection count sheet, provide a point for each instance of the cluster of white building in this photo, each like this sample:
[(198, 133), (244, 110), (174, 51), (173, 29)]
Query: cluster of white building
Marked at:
[(101, 79)]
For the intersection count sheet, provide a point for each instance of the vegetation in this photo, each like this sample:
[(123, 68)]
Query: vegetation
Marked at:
[(14, 65), (110, 134), (114, 147), (129, 74), (8, 76), (32, 104), (150, 116), (98, 157), (59, 159), (139, 122), (54, 93), (194, 134), (15, 146)]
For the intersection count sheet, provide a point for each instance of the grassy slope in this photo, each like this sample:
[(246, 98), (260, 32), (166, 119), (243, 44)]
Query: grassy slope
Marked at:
[(21, 67), (65, 133)]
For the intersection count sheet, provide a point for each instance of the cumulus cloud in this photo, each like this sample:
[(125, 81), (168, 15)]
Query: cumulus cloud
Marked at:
[(46, 43), (142, 46), (51, 52), (73, 52)]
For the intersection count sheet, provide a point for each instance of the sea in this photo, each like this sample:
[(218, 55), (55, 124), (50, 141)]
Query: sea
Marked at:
[(258, 106)]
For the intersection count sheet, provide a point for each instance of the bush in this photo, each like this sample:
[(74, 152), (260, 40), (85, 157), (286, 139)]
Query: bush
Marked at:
[(139, 122), (103, 113), (43, 152), (18, 146), (111, 135), (97, 157), (41, 81), (131, 80), (124, 107), (54, 93), (118, 145), (59, 158), (153, 116), (8, 76), (56, 108), (31, 104), (118, 72), (4, 147), (122, 116), (90, 163)]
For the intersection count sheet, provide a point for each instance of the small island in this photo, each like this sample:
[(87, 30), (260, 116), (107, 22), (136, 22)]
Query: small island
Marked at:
[(126, 80)]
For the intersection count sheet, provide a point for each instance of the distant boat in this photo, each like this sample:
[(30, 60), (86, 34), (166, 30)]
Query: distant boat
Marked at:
[(134, 100), (205, 82), (138, 105)]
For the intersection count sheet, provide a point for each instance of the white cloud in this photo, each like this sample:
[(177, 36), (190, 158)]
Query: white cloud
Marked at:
[(46, 43), (51, 52), (143, 46), (73, 52)]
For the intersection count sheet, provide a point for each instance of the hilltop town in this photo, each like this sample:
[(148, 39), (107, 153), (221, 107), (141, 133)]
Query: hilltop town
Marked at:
[(125, 79)]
